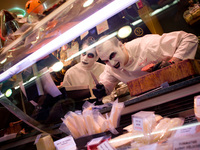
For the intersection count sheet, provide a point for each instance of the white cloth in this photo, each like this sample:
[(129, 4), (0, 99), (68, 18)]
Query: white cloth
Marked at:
[(80, 76), (148, 49)]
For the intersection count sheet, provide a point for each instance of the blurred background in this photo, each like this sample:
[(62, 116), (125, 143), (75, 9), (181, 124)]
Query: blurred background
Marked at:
[(11, 4)]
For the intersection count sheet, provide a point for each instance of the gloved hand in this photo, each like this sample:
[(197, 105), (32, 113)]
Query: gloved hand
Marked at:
[(99, 91), (154, 67), (161, 64)]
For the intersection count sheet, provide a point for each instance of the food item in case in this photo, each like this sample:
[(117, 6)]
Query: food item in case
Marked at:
[(129, 128), (45, 143), (91, 125), (122, 140), (91, 121), (163, 129), (197, 107), (116, 113), (158, 117), (80, 123), (160, 130), (74, 132), (103, 123), (192, 14)]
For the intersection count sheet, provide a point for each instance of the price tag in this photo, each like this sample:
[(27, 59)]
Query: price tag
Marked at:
[(65, 143), (84, 34), (185, 131), (102, 27), (95, 141), (187, 144), (138, 124), (105, 146), (139, 4)]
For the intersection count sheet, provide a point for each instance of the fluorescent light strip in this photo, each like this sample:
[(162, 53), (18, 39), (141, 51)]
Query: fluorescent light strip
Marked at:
[(133, 23), (155, 12), (80, 28), (91, 46), (85, 25), (30, 80), (163, 8), (141, 135), (2, 95), (3, 61), (103, 14), (136, 22), (22, 11), (39, 24)]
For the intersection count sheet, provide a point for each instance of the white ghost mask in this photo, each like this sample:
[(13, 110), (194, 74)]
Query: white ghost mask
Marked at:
[(88, 58), (113, 55)]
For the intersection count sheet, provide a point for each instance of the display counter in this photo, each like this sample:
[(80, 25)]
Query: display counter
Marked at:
[(174, 101), (32, 94)]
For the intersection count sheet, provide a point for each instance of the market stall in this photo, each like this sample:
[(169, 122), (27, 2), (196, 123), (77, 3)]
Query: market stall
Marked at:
[(45, 110)]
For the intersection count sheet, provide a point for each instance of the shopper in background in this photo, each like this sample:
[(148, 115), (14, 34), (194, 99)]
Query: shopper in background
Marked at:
[(124, 62)]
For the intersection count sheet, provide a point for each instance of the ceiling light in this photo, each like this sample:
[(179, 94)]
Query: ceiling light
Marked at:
[(88, 3), (57, 66), (3, 61), (8, 93), (102, 14), (124, 32), (18, 11)]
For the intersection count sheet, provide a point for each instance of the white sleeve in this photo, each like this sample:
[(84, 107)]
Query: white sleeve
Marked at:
[(108, 80), (66, 80), (183, 44)]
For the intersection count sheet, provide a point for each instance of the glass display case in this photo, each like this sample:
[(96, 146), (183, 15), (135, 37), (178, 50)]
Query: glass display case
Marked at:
[(32, 98)]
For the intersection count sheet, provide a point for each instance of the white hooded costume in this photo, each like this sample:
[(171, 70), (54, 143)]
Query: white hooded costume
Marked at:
[(143, 51), (80, 76)]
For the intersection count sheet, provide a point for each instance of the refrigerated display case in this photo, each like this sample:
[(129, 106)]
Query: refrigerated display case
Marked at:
[(26, 64)]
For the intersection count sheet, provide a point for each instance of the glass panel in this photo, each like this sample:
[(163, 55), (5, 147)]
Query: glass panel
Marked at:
[(38, 97)]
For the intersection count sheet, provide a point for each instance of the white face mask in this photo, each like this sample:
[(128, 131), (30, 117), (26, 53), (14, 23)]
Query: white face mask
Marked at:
[(112, 55), (88, 58)]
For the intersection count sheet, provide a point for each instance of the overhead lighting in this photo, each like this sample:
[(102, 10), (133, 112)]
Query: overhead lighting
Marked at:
[(88, 3), (102, 14), (124, 32), (18, 11), (57, 66), (155, 12), (161, 131), (92, 46), (3, 61), (8, 93)]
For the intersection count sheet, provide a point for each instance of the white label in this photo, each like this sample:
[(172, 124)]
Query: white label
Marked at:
[(138, 124), (187, 144), (149, 147), (65, 143), (102, 27), (185, 131), (48, 83), (198, 101), (105, 146), (84, 35), (95, 141), (37, 138)]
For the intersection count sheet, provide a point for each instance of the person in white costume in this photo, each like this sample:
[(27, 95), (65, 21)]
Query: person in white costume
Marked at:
[(80, 74), (125, 61)]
